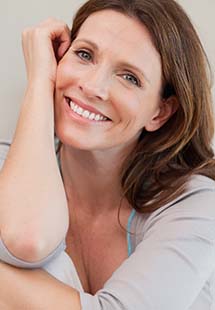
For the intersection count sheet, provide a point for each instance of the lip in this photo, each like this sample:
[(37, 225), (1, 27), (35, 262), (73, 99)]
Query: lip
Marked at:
[(79, 119), (85, 106)]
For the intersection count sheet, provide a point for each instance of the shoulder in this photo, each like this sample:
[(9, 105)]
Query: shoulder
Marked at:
[(199, 189), (200, 182), (195, 205), (197, 201)]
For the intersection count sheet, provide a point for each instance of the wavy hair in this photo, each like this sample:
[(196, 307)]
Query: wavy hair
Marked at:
[(158, 168)]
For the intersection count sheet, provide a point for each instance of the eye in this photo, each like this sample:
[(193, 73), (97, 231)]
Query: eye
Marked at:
[(83, 54), (132, 79)]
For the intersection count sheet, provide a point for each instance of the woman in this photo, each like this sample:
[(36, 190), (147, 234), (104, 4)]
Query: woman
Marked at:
[(134, 202)]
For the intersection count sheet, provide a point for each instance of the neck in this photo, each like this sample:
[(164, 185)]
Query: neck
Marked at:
[(92, 180)]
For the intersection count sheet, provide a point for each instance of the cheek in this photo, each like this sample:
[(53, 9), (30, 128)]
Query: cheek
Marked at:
[(140, 111), (68, 72), (64, 76)]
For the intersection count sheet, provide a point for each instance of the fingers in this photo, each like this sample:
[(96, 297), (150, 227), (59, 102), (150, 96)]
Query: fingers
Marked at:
[(58, 32), (43, 46)]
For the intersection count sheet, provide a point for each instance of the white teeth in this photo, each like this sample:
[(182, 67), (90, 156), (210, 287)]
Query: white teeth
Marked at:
[(97, 118), (80, 111), (92, 116), (72, 105), (86, 113)]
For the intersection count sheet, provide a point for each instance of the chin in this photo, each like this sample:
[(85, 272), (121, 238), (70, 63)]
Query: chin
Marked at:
[(87, 141), (76, 142)]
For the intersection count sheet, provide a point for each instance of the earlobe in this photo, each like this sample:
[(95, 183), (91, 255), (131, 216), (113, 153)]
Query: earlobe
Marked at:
[(167, 108)]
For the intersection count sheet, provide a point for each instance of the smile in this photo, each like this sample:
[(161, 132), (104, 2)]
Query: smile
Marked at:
[(85, 113)]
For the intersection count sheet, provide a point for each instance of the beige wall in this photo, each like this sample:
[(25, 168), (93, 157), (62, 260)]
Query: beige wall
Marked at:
[(16, 15)]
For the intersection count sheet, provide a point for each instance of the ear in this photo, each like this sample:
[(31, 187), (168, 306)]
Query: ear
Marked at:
[(166, 109)]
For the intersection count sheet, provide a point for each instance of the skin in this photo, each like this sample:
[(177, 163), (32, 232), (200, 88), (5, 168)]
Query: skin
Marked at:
[(33, 290), (92, 153)]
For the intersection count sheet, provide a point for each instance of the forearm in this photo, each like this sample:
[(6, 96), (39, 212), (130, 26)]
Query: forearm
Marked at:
[(33, 206), (34, 290)]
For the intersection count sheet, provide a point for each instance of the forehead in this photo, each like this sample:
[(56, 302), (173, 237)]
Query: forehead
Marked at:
[(121, 35), (118, 25)]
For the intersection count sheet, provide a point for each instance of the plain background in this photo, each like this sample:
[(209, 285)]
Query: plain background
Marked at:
[(17, 15)]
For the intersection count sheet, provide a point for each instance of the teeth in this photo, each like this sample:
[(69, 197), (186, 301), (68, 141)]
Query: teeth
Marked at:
[(92, 116), (80, 111), (97, 117), (86, 113)]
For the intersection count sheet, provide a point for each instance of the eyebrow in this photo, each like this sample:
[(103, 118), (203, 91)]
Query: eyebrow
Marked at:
[(121, 63)]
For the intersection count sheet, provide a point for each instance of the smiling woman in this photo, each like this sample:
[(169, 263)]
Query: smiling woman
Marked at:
[(100, 81), (124, 103)]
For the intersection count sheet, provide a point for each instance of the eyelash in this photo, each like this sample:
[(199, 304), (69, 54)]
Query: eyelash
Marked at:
[(138, 83), (81, 51)]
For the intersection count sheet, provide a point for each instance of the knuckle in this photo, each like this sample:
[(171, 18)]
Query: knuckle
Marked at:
[(37, 31), (44, 27), (40, 31), (56, 21), (26, 31), (46, 22)]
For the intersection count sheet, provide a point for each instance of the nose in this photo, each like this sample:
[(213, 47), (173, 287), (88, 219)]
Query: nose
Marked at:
[(95, 84)]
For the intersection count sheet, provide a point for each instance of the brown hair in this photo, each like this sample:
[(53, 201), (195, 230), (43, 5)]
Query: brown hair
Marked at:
[(157, 169)]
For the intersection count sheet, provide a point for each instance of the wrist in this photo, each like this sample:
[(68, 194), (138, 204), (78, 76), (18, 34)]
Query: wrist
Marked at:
[(41, 85), (38, 106)]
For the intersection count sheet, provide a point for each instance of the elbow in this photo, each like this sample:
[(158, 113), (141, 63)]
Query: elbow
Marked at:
[(23, 246)]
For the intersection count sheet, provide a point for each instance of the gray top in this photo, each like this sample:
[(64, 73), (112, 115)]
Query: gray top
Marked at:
[(171, 261)]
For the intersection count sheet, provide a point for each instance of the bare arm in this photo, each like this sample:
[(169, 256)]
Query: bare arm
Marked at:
[(34, 290), (33, 205)]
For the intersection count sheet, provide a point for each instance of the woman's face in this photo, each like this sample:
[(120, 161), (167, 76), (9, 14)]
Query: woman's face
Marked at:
[(112, 73)]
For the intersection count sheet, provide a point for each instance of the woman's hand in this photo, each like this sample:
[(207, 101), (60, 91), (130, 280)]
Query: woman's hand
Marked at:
[(43, 46)]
